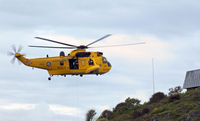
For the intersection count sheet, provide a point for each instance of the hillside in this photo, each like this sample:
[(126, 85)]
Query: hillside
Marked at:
[(176, 107)]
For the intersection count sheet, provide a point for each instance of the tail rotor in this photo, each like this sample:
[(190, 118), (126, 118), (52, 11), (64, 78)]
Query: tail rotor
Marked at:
[(14, 53)]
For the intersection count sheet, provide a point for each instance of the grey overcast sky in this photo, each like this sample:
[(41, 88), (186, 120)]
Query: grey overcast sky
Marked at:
[(170, 28)]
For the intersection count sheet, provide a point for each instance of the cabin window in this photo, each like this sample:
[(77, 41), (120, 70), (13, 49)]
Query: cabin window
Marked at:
[(91, 62), (83, 54), (104, 60), (61, 63)]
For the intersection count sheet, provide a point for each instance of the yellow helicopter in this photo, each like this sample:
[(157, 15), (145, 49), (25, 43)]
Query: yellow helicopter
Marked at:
[(77, 62)]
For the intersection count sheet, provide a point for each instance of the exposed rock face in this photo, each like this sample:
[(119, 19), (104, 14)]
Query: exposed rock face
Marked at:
[(193, 115)]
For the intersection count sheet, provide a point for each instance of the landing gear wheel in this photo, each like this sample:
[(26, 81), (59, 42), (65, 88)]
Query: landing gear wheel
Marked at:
[(49, 78), (81, 75)]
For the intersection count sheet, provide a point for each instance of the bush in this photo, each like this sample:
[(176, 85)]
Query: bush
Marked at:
[(155, 110), (90, 115), (145, 110), (102, 119), (106, 114), (119, 106), (132, 101), (129, 103), (136, 114), (175, 90), (157, 97), (174, 97)]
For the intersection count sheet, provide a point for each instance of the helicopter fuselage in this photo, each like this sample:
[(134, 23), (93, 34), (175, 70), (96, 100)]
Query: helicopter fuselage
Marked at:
[(78, 62)]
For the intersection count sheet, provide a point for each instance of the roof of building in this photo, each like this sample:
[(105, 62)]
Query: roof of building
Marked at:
[(192, 79)]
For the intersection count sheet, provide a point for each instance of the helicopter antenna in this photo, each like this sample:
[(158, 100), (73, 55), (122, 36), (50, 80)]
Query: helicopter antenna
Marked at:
[(153, 76)]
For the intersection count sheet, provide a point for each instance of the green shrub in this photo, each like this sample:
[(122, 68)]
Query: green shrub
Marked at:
[(90, 115), (175, 90), (106, 114), (102, 119), (136, 114), (119, 107), (172, 98), (132, 101), (157, 97), (145, 110)]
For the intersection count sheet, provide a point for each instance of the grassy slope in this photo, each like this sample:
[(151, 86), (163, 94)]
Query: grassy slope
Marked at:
[(187, 108)]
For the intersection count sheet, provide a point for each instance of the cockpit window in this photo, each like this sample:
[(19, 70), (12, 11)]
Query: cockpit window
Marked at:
[(83, 54), (109, 65), (99, 53), (104, 60)]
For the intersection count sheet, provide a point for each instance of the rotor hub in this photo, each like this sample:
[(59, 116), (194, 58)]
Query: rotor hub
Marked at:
[(82, 47)]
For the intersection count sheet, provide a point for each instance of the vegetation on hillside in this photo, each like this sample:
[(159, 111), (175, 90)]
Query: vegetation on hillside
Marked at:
[(90, 115), (176, 106)]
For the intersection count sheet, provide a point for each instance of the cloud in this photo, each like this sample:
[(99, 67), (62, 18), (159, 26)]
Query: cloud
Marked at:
[(154, 47), (84, 18), (63, 110), (16, 106), (39, 111)]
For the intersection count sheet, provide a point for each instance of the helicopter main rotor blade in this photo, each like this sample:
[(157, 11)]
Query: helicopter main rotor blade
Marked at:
[(10, 53), (119, 45), (52, 47), (55, 41), (14, 48), (19, 49), (13, 60), (99, 39)]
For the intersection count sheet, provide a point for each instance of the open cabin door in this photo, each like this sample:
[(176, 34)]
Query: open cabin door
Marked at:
[(73, 64)]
